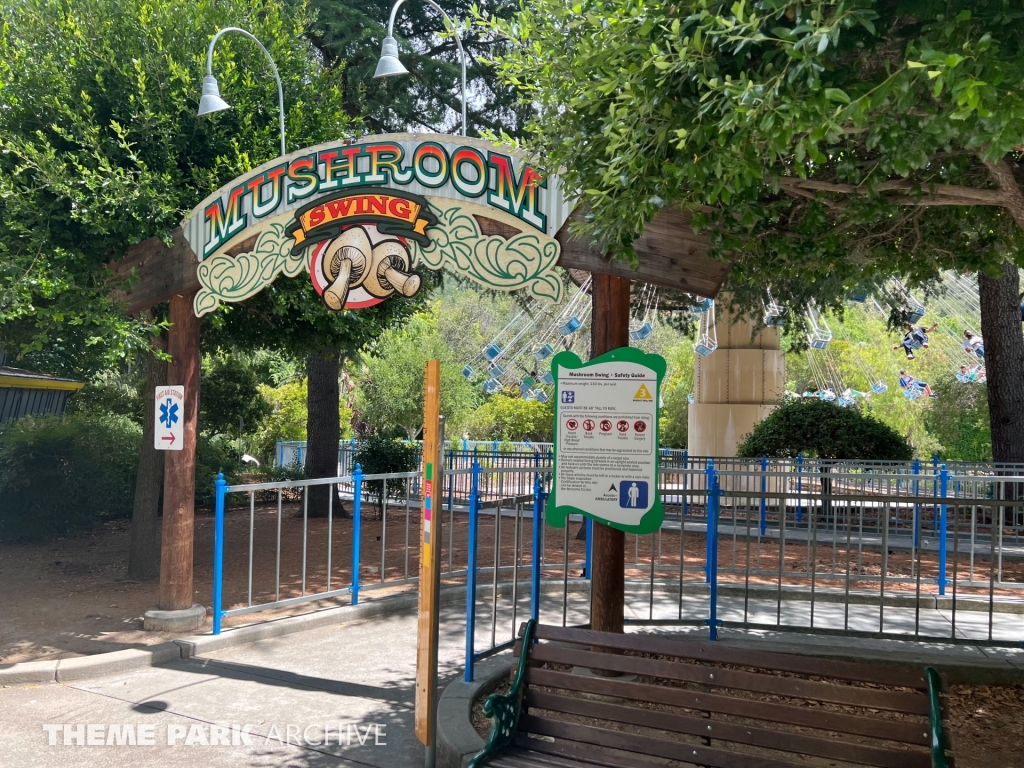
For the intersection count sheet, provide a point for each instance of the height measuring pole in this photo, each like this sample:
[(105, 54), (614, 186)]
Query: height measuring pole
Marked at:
[(430, 562), (610, 330)]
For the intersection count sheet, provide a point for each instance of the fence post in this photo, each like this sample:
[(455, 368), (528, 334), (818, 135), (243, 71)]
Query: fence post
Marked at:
[(471, 572), (590, 537), (943, 490), (714, 493), (799, 487), (357, 503), (686, 482), (935, 489), (218, 553), (764, 490), (917, 507), (538, 504), (709, 472)]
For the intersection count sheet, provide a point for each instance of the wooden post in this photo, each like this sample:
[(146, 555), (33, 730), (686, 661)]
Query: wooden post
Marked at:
[(180, 466), (609, 330), (430, 562)]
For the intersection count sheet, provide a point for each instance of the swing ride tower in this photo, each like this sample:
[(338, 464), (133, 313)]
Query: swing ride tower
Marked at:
[(736, 386)]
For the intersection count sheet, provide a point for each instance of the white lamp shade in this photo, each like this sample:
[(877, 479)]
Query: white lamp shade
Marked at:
[(389, 65), (211, 100)]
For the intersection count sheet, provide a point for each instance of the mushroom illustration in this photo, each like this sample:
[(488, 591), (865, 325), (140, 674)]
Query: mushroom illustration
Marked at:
[(390, 271), (344, 265)]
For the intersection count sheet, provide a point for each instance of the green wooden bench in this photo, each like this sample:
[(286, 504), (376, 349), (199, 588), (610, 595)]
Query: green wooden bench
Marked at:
[(705, 704)]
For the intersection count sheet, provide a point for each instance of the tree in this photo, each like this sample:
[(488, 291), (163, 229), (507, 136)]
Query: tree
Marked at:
[(961, 424), (391, 383), (824, 144), (507, 417), (823, 430), (351, 34), (100, 148), (231, 395)]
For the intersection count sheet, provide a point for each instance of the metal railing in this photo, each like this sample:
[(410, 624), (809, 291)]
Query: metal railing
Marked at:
[(794, 546)]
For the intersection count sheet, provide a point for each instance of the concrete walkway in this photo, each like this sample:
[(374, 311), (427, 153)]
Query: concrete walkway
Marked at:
[(355, 679)]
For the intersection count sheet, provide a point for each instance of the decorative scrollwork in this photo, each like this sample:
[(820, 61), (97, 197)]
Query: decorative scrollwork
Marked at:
[(236, 278), (524, 261), (504, 709)]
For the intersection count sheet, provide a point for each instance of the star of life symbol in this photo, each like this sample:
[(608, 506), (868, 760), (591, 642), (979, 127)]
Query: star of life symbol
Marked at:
[(168, 413)]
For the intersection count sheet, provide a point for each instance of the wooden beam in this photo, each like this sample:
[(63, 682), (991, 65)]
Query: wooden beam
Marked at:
[(609, 330), (160, 272), (670, 254), (180, 466)]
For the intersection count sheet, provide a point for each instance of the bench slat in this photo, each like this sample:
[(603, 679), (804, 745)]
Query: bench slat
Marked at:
[(646, 745), (786, 741), (880, 674), (891, 730), (568, 753), (908, 703)]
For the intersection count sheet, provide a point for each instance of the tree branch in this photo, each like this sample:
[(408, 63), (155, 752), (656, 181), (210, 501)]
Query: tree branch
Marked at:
[(1002, 173), (941, 195)]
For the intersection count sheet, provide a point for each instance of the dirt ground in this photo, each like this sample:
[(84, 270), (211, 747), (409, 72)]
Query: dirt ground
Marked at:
[(71, 597)]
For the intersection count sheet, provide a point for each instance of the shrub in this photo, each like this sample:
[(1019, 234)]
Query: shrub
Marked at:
[(213, 455), (823, 430), (380, 455), (512, 419), (60, 474)]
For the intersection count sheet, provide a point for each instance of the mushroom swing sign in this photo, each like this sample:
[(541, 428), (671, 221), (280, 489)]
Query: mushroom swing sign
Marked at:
[(362, 217), (606, 440)]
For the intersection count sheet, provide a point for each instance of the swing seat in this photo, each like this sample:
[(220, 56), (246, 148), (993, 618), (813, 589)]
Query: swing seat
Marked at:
[(827, 395), (916, 342), (860, 298), (491, 386), (547, 378), (492, 351), (915, 314), (912, 392), (528, 394), (705, 347), (690, 399), (819, 342), (773, 321), (544, 352), (571, 326), (642, 332), (496, 369), (963, 379), (540, 395), (845, 402), (879, 387), (703, 305), (468, 372), (527, 383)]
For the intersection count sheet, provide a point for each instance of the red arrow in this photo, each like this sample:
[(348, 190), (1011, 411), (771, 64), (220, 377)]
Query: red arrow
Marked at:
[(171, 438)]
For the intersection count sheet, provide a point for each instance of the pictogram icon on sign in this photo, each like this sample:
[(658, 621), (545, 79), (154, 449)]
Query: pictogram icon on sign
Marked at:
[(606, 425), (572, 425), (643, 393), (622, 425), (588, 425), (640, 426)]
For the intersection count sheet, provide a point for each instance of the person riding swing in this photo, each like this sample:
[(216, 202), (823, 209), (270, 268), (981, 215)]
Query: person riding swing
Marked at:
[(916, 337)]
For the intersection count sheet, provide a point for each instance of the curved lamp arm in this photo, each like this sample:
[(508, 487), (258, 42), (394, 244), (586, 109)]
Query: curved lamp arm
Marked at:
[(458, 42), (273, 67)]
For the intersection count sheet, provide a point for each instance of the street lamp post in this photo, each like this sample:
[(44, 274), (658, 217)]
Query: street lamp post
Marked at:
[(389, 64), (211, 100)]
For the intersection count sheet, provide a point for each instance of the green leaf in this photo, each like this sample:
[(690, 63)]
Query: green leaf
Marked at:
[(915, 65), (837, 94)]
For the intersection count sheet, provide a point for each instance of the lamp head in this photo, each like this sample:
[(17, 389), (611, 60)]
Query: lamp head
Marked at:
[(389, 64), (211, 100)]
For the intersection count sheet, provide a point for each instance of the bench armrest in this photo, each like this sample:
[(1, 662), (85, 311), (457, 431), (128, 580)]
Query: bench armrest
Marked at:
[(504, 708), (937, 739)]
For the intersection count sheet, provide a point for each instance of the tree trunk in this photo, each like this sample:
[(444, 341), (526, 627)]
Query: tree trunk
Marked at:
[(144, 554), (1004, 361), (323, 428), (609, 330)]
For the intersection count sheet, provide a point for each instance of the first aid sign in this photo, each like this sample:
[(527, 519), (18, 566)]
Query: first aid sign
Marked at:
[(168, 425)]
